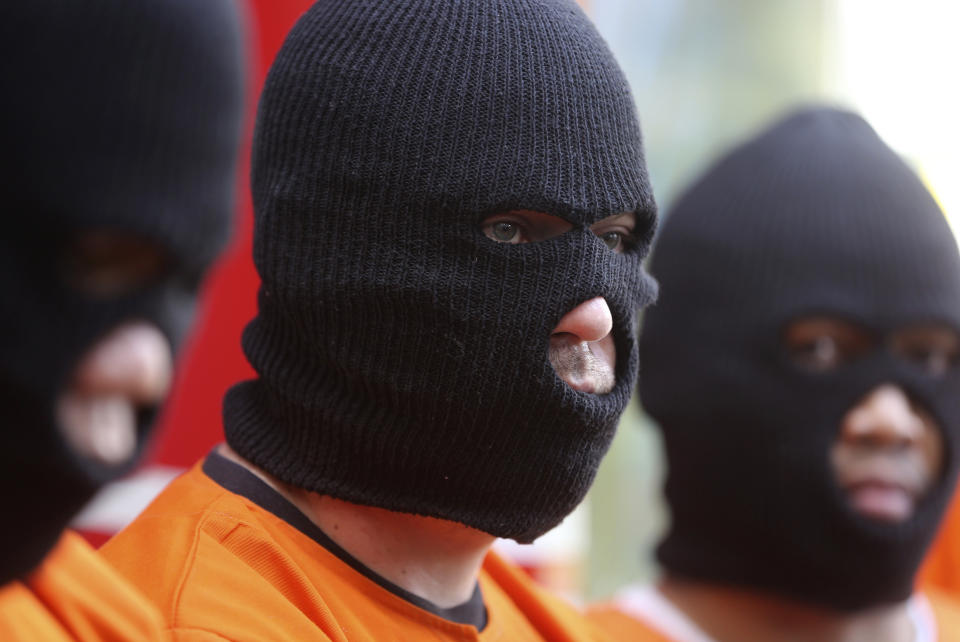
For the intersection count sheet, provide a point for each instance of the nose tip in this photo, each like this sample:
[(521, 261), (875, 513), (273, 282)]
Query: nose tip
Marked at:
[(134, 360), (589, 321), (885, 416)]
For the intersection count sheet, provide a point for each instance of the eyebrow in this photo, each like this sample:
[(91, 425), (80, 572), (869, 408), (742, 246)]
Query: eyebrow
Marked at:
[(617, 217)]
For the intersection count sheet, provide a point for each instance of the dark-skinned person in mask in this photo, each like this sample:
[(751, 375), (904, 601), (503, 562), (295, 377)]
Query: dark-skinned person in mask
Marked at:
[(121, 127), (803, 366), (451, 209)]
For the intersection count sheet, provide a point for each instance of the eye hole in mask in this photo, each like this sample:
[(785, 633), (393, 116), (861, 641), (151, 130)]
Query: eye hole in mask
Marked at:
[(935, 347), (106, 264), (525, 226), (824, 344)]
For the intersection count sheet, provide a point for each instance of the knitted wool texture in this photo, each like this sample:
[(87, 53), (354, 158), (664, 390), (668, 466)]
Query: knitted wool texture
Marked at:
[(402, 355), (815, 216), (121, 118)]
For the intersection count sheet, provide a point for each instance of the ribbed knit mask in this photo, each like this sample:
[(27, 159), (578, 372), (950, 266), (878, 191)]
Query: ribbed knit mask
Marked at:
[(402, 354), (118, 117), (815, 216)]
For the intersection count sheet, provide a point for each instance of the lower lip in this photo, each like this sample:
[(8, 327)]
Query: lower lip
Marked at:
[(886, 503)]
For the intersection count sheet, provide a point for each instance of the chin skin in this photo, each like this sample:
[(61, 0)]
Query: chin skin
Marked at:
[(100, 428), (129, 368)]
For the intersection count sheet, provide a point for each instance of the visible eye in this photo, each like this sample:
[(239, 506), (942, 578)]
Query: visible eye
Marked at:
[(934, 361), (614, 240), (616, 231), (107, 264), (821, 344), (505, 232), (933, 347), (819, 353), (523, 226)]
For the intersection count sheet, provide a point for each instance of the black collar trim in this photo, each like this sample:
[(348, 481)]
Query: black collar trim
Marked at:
[(241, 481)]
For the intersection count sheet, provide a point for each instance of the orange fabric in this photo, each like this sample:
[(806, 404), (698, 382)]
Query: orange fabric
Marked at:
[(941, 570), (946, 612), (24, 617), (620, 626), (221, 567), (75, 595)]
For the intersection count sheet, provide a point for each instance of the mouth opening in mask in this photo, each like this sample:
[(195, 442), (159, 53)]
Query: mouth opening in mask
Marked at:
[(888, 453)]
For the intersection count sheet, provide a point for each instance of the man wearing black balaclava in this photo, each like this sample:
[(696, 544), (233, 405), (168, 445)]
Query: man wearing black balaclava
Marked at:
[(451, 208), (121, 124), (803, 365)]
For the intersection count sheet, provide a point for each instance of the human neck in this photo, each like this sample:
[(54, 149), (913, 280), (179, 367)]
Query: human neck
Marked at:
[(730, 614), (434, 559)]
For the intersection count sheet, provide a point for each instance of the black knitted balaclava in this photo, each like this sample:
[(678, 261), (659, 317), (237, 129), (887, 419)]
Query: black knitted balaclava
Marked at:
[(814, 216), (119, 117), (403, 356)]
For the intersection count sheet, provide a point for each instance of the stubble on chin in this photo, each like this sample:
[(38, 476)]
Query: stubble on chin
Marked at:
[(580, 368)]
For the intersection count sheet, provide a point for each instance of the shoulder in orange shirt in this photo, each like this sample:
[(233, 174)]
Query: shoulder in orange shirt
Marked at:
[(941, 570), (227, 557), (620, 626), (640, 625), (946, 614), (75, 595)]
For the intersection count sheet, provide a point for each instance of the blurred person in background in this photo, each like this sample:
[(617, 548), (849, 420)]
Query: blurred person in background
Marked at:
[(451, 210), (802, 364), (121, 124)]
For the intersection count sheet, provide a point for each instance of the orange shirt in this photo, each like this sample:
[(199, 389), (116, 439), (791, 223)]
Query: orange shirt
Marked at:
[(75, 595), (636, 617), (227, 557), (620, 626), (941, 570), (946, 612)]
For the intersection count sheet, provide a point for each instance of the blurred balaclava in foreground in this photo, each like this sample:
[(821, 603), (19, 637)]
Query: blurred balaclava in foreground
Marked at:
[(119, 119)]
